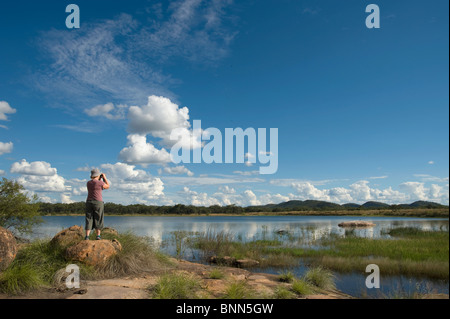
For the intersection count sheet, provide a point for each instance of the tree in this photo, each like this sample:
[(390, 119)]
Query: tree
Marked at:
[(18, 212)]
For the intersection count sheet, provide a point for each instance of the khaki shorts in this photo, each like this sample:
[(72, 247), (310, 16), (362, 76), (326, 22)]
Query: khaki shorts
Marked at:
[(94, 214)]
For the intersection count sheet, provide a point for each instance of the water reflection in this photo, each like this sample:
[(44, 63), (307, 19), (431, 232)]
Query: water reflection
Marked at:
[(305, 231), (307, 228)]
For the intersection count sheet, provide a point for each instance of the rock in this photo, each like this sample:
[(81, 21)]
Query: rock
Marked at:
[(247, 263), (8, 248), (356, 223), (93, 252), (227, 260), (233, 262), (68, 236), (281, 231)]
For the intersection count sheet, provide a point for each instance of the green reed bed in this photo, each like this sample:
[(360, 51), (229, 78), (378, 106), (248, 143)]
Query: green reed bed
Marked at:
[(408, 251)]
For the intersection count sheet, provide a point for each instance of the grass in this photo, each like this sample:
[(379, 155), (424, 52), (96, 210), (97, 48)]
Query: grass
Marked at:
[(37, 264), (302, 287), (320, 277), (239, 290), (137, 256), (216, 274), (176, 286), (409, 252), (412, 252)]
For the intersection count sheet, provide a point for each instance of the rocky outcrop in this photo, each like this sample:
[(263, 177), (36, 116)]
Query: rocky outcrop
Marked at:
[(8, 248), (247, 263), (93, 252), (233, 262), (356, 223), (68, 236)]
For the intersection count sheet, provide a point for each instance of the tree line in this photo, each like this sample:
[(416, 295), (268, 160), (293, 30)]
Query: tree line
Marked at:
[(78, 208)]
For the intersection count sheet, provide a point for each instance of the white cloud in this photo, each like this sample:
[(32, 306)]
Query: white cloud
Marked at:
[(141, 152), (133, 184), (246, 173), (159, 118), (38, 168), (47, 184), (5, 109), (431, 162), (112, 56), (430, 178), (65, 199), (177, 170), (6, 147), (416, 190), (361, 192), (227, 190), (123, 171), (108, 110), (309, 191)]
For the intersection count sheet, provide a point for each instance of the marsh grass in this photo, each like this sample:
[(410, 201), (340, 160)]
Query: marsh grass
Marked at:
[(409, 252), (412, 252), (320, 277)]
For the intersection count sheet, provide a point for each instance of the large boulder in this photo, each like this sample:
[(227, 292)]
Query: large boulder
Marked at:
[(8, 248), (68, 236), (93, 252)]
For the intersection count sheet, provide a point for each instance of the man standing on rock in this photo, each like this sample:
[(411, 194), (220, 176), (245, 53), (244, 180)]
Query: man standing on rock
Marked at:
[(94, 203)]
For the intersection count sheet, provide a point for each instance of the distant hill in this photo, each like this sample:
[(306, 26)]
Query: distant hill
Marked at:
[(375, 205), (323, 205), (425, 204)]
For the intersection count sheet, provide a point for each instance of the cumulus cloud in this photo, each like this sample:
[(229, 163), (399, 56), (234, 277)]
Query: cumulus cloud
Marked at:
[(226, 195), (362, 191), (37, 168), (141, 152), (54, 183), (166, 123), (6, 147), (5, 109), (135, 184), (159, 118), (39, 177)]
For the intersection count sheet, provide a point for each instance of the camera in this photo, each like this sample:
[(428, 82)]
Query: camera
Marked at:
[(101, 176)]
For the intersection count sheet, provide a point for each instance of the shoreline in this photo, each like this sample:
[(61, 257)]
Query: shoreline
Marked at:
[(428, 213)]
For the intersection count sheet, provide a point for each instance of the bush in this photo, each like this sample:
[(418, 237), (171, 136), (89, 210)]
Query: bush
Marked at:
[(18, 212)]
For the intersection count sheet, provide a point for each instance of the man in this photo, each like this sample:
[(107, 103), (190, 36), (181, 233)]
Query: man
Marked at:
[(94, 203)]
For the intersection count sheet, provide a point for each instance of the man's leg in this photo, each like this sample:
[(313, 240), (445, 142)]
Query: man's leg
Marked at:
[(98, 217), (89, 219)]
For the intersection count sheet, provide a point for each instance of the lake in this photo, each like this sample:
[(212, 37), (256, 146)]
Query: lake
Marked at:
[(247, 228)]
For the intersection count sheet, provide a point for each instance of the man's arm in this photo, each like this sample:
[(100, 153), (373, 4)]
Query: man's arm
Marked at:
[(106, 185)]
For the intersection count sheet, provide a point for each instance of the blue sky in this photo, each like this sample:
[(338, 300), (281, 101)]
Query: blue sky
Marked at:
[(362, 114)]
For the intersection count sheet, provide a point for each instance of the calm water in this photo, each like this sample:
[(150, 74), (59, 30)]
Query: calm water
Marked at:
[(247, 228)]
